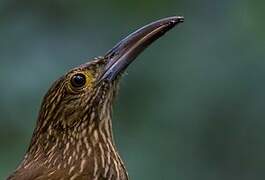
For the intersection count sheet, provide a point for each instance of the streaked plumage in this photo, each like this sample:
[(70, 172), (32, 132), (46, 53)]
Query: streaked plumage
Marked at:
[(73, 137)]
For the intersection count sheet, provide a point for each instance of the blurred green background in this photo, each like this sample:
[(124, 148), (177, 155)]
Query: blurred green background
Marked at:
[(191, 106)]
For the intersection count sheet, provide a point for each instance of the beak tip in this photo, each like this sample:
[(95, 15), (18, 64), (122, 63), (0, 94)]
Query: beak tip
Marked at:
[(178, 19), (173, 21)]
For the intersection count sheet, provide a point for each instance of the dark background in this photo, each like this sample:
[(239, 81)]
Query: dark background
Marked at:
[(191, 106)]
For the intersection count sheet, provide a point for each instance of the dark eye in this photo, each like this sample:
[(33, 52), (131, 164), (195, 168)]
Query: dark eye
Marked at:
[(78, 80)]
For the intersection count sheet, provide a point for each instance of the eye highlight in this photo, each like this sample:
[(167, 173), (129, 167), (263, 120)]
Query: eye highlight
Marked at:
[(78, 80)]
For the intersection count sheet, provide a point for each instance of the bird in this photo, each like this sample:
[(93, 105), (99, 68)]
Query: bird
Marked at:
[(73, 137)]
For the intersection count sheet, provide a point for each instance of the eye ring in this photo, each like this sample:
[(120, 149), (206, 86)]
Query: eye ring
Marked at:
[(78, 80)]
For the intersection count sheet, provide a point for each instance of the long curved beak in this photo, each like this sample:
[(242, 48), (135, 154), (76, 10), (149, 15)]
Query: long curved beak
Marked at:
[(123, 53)]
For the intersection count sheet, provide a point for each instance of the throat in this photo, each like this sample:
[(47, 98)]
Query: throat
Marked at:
[(87, 149)]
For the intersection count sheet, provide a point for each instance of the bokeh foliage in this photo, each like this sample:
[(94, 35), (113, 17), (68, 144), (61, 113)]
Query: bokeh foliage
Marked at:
[(192, 106)]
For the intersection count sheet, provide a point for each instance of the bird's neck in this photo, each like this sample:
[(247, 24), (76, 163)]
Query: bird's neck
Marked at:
[(86, 148)]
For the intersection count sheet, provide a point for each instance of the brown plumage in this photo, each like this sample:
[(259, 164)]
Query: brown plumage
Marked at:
[(73, 136)]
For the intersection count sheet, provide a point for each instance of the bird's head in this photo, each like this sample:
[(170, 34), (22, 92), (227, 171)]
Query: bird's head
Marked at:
[(85, 93), (80, 102)]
